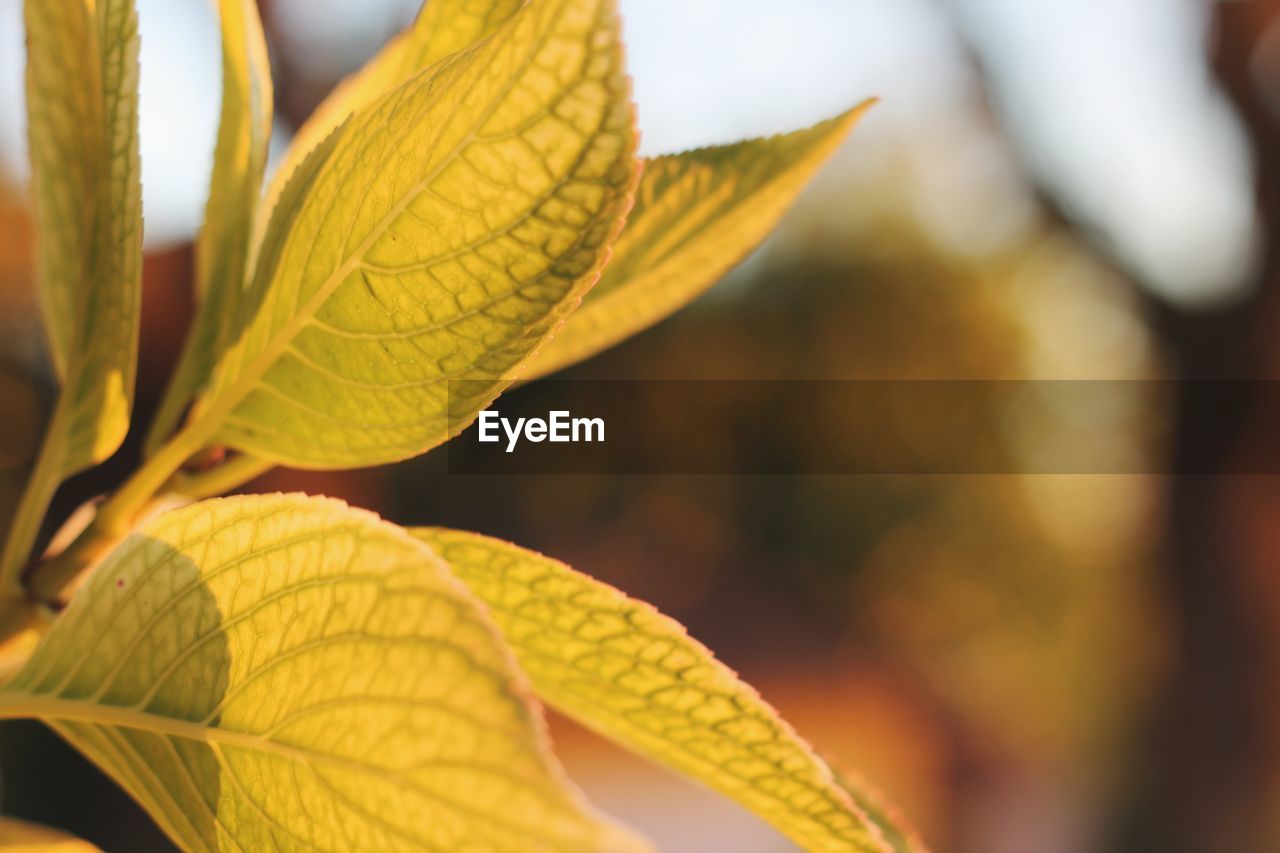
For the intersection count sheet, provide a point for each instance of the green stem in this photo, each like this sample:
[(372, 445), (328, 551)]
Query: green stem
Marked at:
[(114, 518), (46, 476), (117, 513), (220, 479)]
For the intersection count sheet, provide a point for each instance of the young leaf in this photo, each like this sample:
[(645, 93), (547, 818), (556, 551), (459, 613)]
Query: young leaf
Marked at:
[(17, 835), (455, 224), (82, 99), (697, 214), (282, 672), (222, 249), (443, 27), (82, 96), (621, 668)]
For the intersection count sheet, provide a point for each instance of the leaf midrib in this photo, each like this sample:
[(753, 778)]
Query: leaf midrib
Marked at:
[(22, 705), (16, 705)]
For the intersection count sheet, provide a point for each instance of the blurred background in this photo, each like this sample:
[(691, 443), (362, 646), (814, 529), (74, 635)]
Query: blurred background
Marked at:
[(1046, 190)]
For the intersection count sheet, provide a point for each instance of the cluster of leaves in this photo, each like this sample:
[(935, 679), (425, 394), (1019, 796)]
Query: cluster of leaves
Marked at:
[(285, 671)]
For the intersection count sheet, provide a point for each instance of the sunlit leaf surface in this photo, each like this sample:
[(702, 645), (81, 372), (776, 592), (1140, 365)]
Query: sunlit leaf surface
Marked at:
[(284, 673), (634, 675), (697, 214), (442, 27), (454, 225), (82, 95), (222, 249)]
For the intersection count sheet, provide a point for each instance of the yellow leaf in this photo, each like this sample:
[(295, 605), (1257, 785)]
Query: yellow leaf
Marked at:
[(283, 672), (623, 669), (18, 836), (697, 214), (454, 225), (443, 27), (82, 101), (82, 98), (222, 249)]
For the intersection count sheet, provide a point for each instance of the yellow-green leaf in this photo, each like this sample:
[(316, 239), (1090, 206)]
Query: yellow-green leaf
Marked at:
[(443, 27), (283, 673), (18, 836), (82, 98), (454, 225), (222, 249), (634, 675), (697, 214)]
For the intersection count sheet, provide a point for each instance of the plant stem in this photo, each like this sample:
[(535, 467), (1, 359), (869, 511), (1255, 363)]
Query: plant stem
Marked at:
[(45, 478), (117, 513), (220, 479), (114, 519)]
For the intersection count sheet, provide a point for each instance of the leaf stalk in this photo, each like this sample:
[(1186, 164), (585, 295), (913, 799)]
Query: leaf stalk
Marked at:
[(40, 488), (47, 580)]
